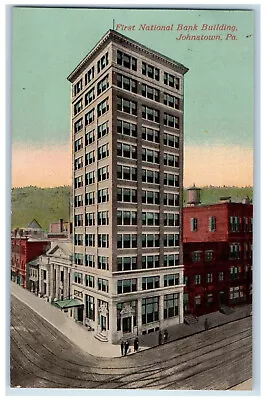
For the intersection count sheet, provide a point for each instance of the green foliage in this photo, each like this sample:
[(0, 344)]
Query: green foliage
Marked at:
[(45, 205), (50, 204)]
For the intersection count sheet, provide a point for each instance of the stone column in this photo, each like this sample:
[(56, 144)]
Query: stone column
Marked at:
[(57, 287), (65, 284), (51, 283)]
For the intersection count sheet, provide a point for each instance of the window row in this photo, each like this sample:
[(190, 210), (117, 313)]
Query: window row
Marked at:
[(89, 281)]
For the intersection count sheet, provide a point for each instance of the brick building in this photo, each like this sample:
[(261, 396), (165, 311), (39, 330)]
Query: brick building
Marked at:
[(217, 245), (127, 132), (23, 250)]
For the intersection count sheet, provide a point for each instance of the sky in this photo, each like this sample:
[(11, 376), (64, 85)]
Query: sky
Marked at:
[(46, 46)]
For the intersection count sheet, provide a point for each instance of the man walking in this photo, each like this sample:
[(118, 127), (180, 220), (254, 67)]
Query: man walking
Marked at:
[(165, 336), (126, 347), (160, 338)]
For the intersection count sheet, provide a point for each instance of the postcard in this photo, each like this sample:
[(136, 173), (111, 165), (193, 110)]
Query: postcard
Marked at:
[(132, 199)]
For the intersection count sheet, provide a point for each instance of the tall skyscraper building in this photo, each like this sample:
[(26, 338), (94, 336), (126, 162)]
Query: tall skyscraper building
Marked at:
[(127, 133)]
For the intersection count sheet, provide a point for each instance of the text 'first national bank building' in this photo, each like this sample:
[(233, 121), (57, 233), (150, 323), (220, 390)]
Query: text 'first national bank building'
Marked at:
[(127, 132)]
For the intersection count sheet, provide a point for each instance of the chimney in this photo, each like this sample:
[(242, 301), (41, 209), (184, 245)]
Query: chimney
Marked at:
[(61, 222)]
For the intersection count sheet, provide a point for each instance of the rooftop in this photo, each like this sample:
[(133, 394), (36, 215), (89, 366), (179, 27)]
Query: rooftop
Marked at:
[(118, 37)]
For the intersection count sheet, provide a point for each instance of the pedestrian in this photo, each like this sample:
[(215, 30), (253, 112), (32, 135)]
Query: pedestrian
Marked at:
[(165, 336), (136, 344), (206, 324), (160, 338), (122, 345), (126, 347)]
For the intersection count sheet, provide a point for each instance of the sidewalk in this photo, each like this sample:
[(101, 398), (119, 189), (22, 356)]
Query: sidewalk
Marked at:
[(81, 337), (85, 339), (214, 319)]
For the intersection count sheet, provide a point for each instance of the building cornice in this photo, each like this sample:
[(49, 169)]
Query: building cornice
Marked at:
[(114, 36)]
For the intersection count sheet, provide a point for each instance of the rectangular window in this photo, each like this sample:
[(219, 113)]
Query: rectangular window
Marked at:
[(78, 239), (103, 218), (208, 255), (234, 224), (150, 92), (89, 76), (150, 310), (103, 151), (78, 107), (197, 279), (103, 196), (90, 158), (89, 198), (171, 303), (89, 219), (220, 276), (102, 107), (150, 197), (126, 172), (89, 281), (89, 240), (78, 182), (127, 195), (150, 219), (150, 156), (171, 240), (126, 263), (126, 217), (89, 178), (150, 240), (150, 71), (102, 130), (171, 260), (126, 241), (150, 282), (78, 163), (171, 120), (212, 224), (103, 263), (78, 278), (78, 144), (171, 219), (150, 114), (126, 286), (171, 160), (103, 173), (89, 137), (90, 260), (196, 256), (127, 83), (171, 140), (171, 280), (151, 261), (78, 220), (171, 199), (78, 258), (103, 285), (126, 128), (102, 63), (126, 60), (171, 80), (127, 106), (78, 125), (152, 135), (78, 200), (126, 150), (209, 278), (77, 88), (171, 180), (193, 224), (90, 307), (150, 176), (89, 117), (171, 101), (234, 251), (102, 85), (103, 240), (89, 96)]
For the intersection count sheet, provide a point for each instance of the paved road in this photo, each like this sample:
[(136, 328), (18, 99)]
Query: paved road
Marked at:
[(41, 357)]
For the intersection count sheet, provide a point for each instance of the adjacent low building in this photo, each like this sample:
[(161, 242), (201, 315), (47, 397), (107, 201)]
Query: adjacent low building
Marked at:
[(217, 244)]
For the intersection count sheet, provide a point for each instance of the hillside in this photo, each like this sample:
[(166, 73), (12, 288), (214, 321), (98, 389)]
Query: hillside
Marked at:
[(45, 205), (50, 204)]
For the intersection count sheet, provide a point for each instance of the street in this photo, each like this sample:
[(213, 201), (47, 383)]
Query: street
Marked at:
[(41, 357)]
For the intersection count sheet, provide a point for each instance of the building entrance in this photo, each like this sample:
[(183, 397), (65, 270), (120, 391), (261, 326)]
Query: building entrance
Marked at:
[(126, 324), (222, 299), (103, 323)]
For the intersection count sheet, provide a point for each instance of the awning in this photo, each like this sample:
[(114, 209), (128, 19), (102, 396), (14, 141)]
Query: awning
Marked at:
[(67, 303)]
